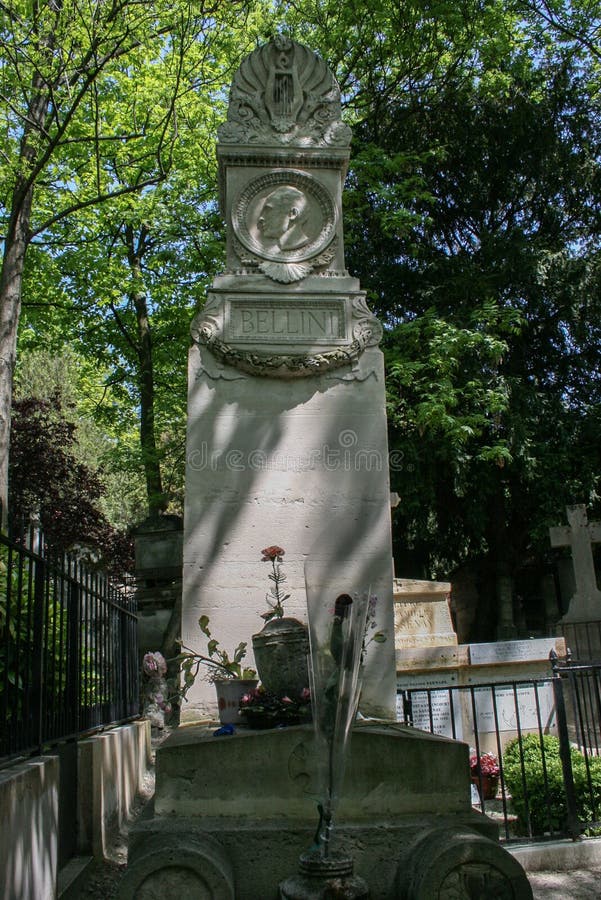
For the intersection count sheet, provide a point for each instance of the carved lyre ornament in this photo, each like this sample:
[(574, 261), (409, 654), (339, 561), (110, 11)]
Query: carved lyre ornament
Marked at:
[(284, 93)]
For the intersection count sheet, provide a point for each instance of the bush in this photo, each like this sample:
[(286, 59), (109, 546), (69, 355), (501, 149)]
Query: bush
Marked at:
[(543, 802)]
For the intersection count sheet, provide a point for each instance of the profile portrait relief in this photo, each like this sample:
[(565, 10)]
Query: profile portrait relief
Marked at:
[(283, 218)]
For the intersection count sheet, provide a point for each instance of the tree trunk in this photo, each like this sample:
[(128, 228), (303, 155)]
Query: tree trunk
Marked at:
[(500, 544), (11, 282), (11, 278), (150, 457)]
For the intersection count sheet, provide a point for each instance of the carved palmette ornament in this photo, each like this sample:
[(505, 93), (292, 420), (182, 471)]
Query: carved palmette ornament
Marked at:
[(284, 93)]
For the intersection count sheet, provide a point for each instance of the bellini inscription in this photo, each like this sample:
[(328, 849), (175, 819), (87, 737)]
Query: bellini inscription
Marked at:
[(296, 322)]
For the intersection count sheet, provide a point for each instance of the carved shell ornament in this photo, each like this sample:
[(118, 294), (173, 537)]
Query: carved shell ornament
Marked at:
[(284, 93), (285, 222)]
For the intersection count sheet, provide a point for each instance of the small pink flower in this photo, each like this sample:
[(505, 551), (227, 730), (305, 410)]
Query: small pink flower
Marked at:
[(149, 664), (305, 695), (286, 700), (154, 664)]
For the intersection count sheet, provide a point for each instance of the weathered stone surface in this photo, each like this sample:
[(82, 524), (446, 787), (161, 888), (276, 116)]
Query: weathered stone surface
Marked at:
[(241, 810), (446, 864), (422, 614), (300, 464), (392, 771), (262, 854), (176, 865), (287, 438), (585, 604)]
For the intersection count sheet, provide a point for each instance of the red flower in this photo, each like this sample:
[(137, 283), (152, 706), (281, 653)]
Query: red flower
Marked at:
[(486, 765), (271, 553)]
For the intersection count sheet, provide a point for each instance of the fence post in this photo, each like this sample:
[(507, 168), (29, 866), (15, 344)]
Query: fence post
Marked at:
[(574, 828), (38, 653), (73, 655)]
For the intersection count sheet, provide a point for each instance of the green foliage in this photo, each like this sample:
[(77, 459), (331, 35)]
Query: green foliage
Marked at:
[(218, 662), (472, 221), (537, 788), (225, 666), (471, 218)]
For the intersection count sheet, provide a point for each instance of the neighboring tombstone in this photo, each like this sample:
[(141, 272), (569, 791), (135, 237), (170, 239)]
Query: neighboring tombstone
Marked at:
[(579, 536), (441, 680), (422, 614), (158, 573), (287, 435)]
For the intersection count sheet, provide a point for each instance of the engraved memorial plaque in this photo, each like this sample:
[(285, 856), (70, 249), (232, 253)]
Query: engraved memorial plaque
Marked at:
[(307, 322)]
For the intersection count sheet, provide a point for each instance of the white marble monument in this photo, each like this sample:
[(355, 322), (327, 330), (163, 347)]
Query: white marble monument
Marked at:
[(286, 439)]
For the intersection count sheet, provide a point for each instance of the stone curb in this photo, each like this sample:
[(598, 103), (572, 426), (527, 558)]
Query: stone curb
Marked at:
[(558, 856)]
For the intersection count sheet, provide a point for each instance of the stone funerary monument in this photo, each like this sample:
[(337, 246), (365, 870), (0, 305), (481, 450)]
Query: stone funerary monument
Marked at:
[(287, 445), (287, 439)]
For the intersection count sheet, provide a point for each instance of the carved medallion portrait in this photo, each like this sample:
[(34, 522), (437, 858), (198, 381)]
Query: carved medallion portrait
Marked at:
[(284, 217)]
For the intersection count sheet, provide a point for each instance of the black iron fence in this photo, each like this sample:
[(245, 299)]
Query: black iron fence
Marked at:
[(68, 647), (535, 754)]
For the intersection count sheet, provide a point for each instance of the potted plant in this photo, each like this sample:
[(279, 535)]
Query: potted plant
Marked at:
[(282, 646), (484, 773), (231, 679), (263, 709)]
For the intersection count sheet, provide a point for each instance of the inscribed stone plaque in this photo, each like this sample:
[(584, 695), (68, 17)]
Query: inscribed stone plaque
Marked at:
[(434, 710), (511, 651), (290, 322), (511, 708)]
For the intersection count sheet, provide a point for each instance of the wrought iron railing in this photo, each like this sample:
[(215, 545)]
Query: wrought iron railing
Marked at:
[(546, 736), (68, 647)]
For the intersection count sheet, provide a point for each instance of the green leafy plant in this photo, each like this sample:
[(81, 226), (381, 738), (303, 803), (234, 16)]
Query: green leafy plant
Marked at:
[(537, 786), (219, 663)]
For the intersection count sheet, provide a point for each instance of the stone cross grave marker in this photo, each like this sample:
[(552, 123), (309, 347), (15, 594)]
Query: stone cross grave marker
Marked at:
[(580, 535)]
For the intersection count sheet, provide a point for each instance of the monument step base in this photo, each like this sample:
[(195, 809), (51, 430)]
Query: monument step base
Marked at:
[(247, 860)]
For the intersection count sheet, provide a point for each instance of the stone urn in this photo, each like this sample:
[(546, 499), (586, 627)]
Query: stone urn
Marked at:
[(281, 649)]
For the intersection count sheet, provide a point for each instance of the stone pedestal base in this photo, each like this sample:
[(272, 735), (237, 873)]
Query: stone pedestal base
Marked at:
[(233, 815)]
